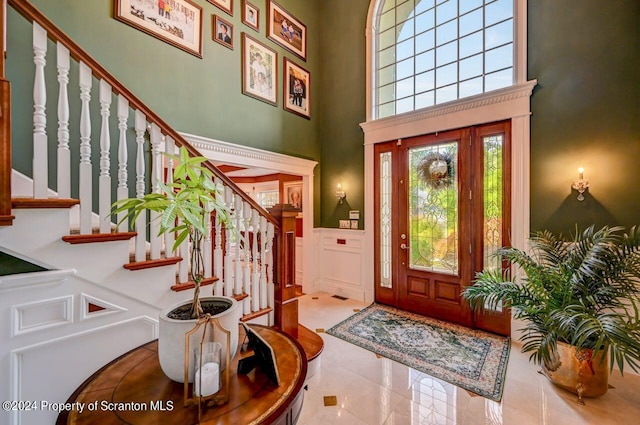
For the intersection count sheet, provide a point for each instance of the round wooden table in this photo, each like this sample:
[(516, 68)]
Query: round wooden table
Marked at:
[(133, 390)]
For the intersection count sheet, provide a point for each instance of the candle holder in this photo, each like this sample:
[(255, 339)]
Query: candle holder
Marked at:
[(581, 185), (210, 364)]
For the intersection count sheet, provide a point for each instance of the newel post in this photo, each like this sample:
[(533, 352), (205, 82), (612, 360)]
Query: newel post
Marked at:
[(284, 271), (6, 219)]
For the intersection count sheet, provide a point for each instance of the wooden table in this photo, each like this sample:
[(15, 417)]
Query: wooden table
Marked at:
[(135, 382)]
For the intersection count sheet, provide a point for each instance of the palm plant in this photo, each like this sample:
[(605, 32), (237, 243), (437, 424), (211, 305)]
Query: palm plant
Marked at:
[(185, 206), (585, 293)]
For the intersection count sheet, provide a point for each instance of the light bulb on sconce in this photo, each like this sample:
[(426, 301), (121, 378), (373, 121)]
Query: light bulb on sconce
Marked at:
[(340, 194), (581, 185)]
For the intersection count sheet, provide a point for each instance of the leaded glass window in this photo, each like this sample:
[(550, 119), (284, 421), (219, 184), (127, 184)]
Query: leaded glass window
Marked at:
[(430, 52)]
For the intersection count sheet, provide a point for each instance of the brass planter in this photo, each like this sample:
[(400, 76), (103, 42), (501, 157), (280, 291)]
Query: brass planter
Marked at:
[(575, 370)]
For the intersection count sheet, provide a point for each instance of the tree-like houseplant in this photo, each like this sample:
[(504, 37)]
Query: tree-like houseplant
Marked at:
[(185, 205), (578, 296)]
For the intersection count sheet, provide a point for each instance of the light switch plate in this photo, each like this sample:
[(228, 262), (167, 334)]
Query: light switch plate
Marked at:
[(345, 224)]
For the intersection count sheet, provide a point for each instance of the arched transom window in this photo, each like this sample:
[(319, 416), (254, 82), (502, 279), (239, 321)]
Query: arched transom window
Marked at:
[(429, 52)]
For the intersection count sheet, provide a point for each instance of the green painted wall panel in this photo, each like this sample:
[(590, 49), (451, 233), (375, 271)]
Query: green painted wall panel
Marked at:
[(343, 107), (586, 108)]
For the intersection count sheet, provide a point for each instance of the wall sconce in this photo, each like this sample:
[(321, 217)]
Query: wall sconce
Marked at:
[(340, 194), (581, 184)]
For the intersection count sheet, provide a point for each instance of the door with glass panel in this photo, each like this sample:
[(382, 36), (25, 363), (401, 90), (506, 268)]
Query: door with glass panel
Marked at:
[(441, 211)]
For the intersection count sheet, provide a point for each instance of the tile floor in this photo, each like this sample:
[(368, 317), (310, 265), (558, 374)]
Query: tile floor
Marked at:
[(379, 391)]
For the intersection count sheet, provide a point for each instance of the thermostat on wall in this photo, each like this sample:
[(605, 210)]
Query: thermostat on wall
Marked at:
[(354, 215)]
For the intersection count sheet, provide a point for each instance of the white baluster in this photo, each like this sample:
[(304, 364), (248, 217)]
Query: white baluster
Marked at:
[(246, 272), (40, 161), (169, 148), (104, 182), (218, 266), (141, 222), (86, 196), (228, 255), (64, 154), (263, 262), (123, 175), (207, 249), (156, 174), (270, 261), (255, 279), (237, 257)]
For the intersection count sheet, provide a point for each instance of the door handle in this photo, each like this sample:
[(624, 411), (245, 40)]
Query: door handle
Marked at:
[(403, 246)]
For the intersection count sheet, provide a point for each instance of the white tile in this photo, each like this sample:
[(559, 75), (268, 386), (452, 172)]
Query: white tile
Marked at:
[(379, 391)]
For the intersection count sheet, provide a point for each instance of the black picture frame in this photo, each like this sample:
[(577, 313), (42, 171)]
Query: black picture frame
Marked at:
[(264, 356)]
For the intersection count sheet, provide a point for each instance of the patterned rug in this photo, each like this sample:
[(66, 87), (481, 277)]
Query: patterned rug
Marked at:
[(471, 359)]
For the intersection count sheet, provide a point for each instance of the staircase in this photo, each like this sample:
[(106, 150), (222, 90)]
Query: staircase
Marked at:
[(106, 284)]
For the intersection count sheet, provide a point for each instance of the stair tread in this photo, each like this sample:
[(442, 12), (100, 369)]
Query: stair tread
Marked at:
[(183, 286), (98, 237), (147, 264), (256, 314), (20, 203)]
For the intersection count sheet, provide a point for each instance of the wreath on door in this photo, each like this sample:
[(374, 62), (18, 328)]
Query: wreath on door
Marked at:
[(436, 170)]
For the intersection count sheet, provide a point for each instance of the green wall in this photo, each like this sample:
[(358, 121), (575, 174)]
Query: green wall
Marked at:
[(586, 112), (343, 107), (198, 96)]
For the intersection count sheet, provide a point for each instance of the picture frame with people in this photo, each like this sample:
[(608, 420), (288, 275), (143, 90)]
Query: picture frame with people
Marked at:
[(222, 31), (293, 193), (176, 22), (250, 15), (226, 5), (297, 89), (259, 70), (286, 30)]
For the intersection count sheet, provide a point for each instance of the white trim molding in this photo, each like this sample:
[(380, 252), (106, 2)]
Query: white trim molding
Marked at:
[(41, 315), (232, 154)]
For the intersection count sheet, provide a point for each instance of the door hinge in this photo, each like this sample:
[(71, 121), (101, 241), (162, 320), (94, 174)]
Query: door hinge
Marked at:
[(470, 249), (470, 194)]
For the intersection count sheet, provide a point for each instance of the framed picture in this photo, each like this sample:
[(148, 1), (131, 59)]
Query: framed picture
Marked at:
[(250, 15), (297, 89), (177, 22), (259, 70), (264, 356), (293, 193), (226, 5), (286, 30), (222, 32)]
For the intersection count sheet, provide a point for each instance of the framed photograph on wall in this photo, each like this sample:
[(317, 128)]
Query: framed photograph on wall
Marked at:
[(222, 32), (293, 193), (287, 31), (226, 5), (250, 15), (259, 70), (297, 89), (177, 22)]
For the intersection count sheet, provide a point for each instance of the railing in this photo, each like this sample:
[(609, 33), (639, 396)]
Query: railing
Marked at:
[(244, 267)]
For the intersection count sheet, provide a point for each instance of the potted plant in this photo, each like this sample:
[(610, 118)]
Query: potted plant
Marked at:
[(579, 299), (185, 205)]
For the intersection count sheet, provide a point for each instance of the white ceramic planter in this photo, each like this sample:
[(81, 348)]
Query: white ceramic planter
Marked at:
[(172, 332)]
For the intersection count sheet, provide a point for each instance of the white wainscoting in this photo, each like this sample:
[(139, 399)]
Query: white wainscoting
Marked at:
[(340, 266)]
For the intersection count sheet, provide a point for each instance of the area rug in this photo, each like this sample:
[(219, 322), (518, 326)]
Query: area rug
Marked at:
[(471, 359)]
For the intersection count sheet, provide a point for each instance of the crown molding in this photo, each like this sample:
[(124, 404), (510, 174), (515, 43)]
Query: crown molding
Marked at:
[(230, 153), (508, 102)]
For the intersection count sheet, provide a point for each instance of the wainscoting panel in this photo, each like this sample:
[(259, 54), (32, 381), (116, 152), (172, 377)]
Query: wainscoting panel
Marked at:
[(340, 268)]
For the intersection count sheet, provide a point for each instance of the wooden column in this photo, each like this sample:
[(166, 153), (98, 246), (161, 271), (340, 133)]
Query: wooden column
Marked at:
[(6, 219), (284, 272)]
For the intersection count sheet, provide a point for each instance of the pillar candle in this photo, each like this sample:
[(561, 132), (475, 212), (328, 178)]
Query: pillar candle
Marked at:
[(210, 377)]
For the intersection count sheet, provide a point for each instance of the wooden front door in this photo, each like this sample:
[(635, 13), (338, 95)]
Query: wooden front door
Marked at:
[(442, 209)]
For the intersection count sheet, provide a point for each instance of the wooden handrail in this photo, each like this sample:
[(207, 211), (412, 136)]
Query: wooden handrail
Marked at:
[(32, 14)]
